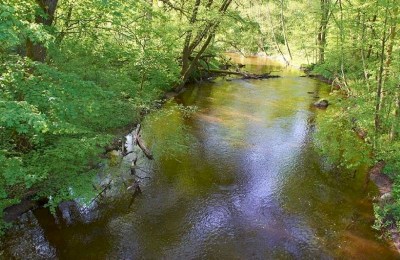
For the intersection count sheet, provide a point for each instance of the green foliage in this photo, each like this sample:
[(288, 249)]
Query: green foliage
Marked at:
[(16, 24), (53, 124), (240, 34), (356, 46), (338, 141), (107, 62), (362, 59)]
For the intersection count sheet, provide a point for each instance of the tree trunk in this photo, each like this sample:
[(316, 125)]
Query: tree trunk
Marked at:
[(372, 36), (365, 70), (391, 41), (284, 31), (207, 34), (186, 50), (379, 89), (394, 131), (389, 55), (321, 39), (37, 51), (274, 36)]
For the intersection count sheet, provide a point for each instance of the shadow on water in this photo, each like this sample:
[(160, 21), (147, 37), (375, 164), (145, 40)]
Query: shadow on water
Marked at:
[(247, 184)]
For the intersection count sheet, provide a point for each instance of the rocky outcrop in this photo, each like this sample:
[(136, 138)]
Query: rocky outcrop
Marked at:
[(322, 103)]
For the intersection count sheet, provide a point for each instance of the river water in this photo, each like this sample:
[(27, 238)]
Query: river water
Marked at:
[(249, 186)]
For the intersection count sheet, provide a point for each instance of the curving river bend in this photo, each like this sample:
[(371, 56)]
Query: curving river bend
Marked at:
[(252, 187)]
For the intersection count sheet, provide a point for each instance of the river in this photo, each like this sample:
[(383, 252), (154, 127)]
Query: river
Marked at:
[(249, 186)]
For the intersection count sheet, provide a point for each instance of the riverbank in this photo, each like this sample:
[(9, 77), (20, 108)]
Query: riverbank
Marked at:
[(382, 181), (112, 149), (177, 181), (58, 117), (385, 186), (225, 184)]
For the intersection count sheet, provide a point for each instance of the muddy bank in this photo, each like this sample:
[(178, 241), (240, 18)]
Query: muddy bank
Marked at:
[(384, 184)]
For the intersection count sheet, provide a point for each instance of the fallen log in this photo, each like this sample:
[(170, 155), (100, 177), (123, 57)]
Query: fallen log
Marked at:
[(144, 149), (245, 75), (137, 140)]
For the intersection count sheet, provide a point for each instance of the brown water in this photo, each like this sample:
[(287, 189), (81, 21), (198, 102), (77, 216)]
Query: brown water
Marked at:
[(251, 186)]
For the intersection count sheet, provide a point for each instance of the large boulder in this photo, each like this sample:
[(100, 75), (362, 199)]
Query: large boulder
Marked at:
[(322, 103)]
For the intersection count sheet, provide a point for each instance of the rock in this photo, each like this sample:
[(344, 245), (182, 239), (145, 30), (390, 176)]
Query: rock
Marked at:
[(386, 198), (323, 103)]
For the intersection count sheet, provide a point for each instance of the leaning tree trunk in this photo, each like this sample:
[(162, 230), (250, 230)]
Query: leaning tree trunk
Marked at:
[(379, 89), (186, 52), (274, 35), (202, 40), (321, 39), (37, 51), (389, 55), (284, 31)]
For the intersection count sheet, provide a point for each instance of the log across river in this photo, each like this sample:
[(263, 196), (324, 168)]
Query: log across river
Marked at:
[(251, 187)]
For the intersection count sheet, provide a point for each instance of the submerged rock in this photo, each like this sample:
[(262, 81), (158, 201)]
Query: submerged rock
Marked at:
[(323, 103)]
